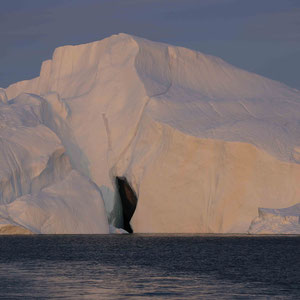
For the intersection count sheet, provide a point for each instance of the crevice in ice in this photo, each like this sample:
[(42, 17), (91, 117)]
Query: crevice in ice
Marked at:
[(129, 201)]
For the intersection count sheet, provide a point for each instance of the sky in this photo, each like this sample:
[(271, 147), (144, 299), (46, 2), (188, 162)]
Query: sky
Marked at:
[(261, 36)]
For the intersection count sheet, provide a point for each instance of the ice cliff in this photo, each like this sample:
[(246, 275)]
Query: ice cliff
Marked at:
[(199, 144)]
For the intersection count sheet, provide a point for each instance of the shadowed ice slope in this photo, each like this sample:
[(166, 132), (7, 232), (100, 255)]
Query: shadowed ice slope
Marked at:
[(203, 144)]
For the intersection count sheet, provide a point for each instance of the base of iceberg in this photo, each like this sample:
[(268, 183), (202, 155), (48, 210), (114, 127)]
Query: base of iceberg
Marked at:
[(115, 230), (9, 229)]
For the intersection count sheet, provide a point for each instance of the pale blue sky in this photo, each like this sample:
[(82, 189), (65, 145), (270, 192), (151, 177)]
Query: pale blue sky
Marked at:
[(262, 36)]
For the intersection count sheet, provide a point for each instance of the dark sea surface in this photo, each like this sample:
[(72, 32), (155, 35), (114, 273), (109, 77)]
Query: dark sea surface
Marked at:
[(149, 267)]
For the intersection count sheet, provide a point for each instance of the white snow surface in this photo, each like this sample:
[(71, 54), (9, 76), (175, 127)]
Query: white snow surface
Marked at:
[(202, 143)]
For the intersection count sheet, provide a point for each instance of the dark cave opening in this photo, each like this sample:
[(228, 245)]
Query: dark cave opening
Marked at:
[(129, 201)]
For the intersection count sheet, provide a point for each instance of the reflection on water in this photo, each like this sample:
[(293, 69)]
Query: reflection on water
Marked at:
[(149, 266)]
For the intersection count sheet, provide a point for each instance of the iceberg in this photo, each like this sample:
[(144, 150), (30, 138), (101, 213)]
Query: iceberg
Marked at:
[(200, 144), (279, 221)]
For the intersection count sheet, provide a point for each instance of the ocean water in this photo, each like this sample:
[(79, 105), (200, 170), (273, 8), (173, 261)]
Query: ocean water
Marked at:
[(149, 267)]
